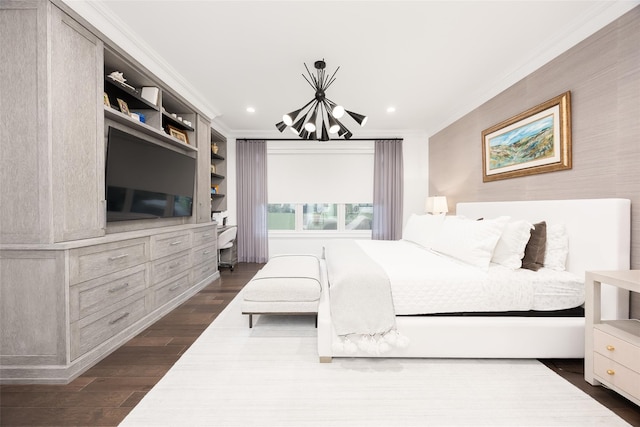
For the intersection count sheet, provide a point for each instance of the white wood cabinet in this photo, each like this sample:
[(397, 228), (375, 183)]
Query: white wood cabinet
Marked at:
[(52, 151), (116, 286), (612, 347), (74, 287)]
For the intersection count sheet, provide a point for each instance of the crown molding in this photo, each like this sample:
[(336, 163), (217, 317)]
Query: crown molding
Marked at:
[(100, 16), (588, 23)]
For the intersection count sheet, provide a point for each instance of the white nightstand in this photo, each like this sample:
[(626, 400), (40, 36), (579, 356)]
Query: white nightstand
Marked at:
[(612, 347)]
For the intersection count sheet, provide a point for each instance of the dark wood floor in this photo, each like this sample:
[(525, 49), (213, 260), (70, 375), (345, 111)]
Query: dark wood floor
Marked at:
[(106, 393)]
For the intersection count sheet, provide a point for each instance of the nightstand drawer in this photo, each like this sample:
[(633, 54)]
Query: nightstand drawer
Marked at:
[(99, 260), (164, 268), (169, 243), (168, 290), (206, 235), (203, 254), (616, 349), (94, 295), (93, 330), (615, 374)]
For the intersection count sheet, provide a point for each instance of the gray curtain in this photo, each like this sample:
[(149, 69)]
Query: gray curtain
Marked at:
[(253, 238), (388, 190)]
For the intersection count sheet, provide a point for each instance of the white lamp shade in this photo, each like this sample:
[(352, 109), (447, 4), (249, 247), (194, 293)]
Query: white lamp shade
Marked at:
[(437, 205)]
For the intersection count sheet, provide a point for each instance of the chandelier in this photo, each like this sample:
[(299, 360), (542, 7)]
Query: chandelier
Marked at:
[(320, 115)]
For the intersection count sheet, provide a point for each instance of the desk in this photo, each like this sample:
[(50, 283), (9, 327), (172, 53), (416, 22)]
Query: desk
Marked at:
[(227, 257)]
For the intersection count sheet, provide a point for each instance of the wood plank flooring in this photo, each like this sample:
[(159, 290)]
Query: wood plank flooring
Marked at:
[(106, 393)]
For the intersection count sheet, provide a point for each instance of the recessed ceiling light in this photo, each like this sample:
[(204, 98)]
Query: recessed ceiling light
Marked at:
[(251, 110), (391, 109)]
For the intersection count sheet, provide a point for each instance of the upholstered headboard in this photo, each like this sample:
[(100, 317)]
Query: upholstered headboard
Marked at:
[(599, 235)]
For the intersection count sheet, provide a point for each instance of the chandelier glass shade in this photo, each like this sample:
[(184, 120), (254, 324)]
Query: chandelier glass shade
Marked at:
[(319, 118)]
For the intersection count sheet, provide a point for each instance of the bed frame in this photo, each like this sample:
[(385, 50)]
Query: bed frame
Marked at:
[(599, 239)]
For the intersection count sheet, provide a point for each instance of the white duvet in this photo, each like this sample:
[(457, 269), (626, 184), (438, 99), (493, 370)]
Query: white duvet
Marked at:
[(424, 282)]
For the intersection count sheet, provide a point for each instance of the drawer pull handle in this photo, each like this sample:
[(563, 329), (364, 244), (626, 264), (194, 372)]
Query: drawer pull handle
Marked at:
[(206, 235), (113, 258), (114, 321), (174, 265), (177, 242), (610, 348), (173, 288), (118, 288), (206, 269), (206, 252), (611, 372)]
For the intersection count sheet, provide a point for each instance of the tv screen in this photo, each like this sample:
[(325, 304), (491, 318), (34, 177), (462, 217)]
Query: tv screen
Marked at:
[(145, 180)]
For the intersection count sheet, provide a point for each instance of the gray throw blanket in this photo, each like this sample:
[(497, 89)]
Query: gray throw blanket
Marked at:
[(359, 291)]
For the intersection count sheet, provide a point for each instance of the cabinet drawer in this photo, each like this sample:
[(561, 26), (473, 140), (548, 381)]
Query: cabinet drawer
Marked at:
[(93, 330), (617, 375), (202, 271), (170, 243), (617, 349), (203, 254), (168, 290), (99, 260), (90, 297), (164, 268), (205, 235)]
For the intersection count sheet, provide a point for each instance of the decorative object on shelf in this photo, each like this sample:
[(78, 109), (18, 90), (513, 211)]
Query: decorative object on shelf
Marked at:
[(188, 123), (535, 141), (139, 116), (105, 99), (118, 77), (214, 148), (177, 133), (320, 113), (124, 108), (150, 94), (213, 168), (437, 205)]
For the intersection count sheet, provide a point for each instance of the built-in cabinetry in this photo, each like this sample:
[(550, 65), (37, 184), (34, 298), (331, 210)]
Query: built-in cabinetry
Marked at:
[(218, 172), (612, 347), (74, 286)]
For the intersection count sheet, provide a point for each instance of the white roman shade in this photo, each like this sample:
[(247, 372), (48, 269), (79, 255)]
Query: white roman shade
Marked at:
[(312, 172)]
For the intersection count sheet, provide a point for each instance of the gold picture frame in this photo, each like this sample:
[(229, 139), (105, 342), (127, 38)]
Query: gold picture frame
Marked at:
[(535, 141), (105, 100), (124, 108), (178, 134)]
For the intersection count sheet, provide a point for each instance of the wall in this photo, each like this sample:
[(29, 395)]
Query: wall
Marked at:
[(603, 75)]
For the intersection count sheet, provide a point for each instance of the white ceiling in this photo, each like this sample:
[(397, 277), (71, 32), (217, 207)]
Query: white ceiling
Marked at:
[(434, 61)]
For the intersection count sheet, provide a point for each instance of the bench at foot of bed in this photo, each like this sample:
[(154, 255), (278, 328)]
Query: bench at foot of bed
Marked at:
[(287, 285)]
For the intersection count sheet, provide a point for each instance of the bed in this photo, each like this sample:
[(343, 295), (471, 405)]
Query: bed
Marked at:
[(598, 232)]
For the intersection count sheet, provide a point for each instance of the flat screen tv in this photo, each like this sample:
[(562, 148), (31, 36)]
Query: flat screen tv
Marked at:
[(145, 180)]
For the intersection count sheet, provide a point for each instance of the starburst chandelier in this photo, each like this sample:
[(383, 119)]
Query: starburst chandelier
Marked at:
[(319, 117)]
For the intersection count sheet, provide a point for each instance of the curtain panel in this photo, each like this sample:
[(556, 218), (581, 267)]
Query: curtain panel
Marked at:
[(388, 190), (253, 237)]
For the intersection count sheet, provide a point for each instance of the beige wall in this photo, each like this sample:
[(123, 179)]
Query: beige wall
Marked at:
[(603, 75)]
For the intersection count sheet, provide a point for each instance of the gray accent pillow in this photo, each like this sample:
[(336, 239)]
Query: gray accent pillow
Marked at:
[(534, 251)]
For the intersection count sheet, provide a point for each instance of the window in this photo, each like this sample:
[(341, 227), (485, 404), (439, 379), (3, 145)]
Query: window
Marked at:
[(358, 216), (320, 216), (281, 216), (320, 187)]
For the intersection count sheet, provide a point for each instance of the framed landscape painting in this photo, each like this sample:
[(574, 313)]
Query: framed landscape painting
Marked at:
[(535, 141)]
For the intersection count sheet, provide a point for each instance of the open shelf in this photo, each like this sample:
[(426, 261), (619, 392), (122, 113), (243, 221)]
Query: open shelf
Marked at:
[(121, 118), (216, 157), (133, 98), (215, 175)]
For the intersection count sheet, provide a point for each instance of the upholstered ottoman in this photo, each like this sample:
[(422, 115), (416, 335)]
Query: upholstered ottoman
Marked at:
[(287, 284)]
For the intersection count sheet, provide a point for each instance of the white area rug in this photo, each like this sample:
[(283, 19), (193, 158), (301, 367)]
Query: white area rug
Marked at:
[(270, 376)]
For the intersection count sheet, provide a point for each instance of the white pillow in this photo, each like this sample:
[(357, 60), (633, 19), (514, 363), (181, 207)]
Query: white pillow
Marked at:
[(422, 229), (510, 248), (557, 247), (470, 241)]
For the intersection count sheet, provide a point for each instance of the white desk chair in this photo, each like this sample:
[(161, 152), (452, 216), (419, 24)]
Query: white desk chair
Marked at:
[(227, 253)]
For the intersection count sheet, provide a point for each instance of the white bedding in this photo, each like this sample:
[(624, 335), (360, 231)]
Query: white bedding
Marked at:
[(424, 282)]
